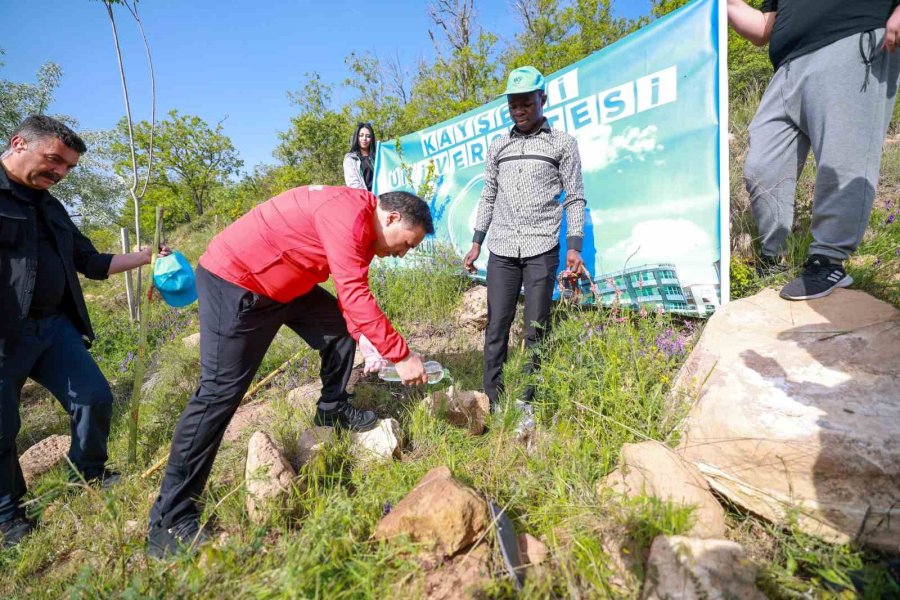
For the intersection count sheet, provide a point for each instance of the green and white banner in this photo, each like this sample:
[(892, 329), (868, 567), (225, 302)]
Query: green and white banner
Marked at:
[(650, 116)]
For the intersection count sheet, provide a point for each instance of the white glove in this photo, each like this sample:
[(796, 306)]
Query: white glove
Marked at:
[(373, 361)]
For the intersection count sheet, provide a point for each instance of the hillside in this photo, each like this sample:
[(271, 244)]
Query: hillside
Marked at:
[(606, 381)]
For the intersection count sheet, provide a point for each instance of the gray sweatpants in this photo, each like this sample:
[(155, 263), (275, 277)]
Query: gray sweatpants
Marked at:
[(829, 101)]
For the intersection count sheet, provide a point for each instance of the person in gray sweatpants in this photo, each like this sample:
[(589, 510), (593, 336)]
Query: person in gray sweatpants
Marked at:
[(833, 92)]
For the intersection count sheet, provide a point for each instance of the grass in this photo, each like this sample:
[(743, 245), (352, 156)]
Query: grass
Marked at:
[(605, 381), (90, 543)]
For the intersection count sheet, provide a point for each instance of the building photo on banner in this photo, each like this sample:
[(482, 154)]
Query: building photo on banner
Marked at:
[(650, 116)]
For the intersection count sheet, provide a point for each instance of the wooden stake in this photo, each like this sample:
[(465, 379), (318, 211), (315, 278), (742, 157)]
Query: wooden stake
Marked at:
[(129, 288), (140, 364)]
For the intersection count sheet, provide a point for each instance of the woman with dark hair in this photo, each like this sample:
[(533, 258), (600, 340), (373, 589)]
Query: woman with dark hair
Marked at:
[(359, 163)]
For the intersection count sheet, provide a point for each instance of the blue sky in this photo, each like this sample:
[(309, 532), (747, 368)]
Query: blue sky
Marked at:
[(219, 59)]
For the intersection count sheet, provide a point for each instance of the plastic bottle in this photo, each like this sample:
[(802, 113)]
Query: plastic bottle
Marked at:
[(433, 369)]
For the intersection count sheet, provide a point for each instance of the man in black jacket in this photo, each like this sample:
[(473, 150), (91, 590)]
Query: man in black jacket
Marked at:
[(44, 324)]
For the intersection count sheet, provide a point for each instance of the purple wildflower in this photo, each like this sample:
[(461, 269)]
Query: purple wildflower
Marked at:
[(671, 343)]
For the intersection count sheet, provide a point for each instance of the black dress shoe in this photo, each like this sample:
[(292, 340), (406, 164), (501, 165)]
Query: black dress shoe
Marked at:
[(346, 416), (14, 530), (185, 536)]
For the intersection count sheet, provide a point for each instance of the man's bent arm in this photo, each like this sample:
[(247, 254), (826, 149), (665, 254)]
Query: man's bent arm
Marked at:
[(750, 23), (350, 271), (126, 262)]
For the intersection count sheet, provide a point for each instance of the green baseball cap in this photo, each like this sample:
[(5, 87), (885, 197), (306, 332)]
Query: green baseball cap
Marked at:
[(524, 80)]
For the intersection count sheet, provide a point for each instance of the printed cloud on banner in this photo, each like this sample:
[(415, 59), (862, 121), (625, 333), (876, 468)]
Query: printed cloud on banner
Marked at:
[(650, 240), (646, 114), (602, 148)]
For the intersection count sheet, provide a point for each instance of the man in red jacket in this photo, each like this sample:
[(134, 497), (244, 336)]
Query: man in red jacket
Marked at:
[(263, 272)]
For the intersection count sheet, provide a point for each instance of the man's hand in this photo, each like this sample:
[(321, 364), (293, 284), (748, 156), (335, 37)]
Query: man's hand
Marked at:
[(411, 370), (471, 257), (892, 31), (574, 262), (145, 254), (133, 260), (373, 360)]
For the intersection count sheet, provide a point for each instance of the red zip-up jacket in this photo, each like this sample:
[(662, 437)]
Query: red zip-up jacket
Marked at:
[(290, 243)]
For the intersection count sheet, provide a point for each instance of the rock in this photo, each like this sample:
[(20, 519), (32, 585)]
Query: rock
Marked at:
[(191, 341), (312, 442), (460, 578), (440, 512), (133, 528), (305, 398), (473, 311), (43, 456), (268, 475), (625, 559), (797, 407), (532, 551), (246, 417), (682, 568), (380, 443), (464, 408), (652, 469), (30, 390)]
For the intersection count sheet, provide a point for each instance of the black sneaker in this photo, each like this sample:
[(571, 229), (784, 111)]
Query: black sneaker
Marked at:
[(14, 530), (770, 266), (107, 478), (346, 416), (185, 536), (819, 279)]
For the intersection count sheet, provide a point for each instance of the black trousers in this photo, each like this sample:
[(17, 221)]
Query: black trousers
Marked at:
[(236, 328), (51, 352), (505, 278)]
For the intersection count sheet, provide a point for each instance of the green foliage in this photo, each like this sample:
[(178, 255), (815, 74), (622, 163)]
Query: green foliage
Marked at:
[(424, 296), (606, 381), (264, 182), (318, 137), (191, 160), (743, 279), (19, 100), (557, 33)]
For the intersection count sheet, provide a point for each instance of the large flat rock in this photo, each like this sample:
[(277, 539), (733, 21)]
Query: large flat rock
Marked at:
[(797, 406)]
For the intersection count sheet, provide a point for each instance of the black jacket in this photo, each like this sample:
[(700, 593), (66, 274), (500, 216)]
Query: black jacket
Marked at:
[(18, 262)]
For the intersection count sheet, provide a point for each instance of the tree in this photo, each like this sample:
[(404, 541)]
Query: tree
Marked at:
[(382, 94), (465, 73), (556, 33), (192, 159), (318, 137), (19, 100)]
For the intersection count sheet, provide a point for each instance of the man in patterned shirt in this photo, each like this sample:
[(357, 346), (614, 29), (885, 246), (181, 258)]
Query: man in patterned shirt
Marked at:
[(531, 175)]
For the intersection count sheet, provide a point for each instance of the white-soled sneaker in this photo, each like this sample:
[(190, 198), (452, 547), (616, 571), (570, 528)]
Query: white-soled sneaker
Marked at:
[(819, 279)]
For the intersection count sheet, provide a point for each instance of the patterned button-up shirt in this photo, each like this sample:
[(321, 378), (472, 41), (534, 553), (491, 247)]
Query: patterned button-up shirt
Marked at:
[(524, 178)]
